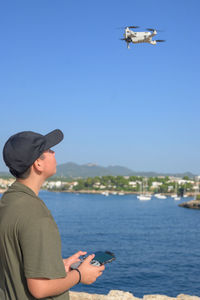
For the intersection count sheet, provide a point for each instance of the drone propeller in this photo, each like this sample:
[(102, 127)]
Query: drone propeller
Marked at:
[(128, 40), (150, 29), (127, 27), (160, 41), (153, 29), (132, 26)]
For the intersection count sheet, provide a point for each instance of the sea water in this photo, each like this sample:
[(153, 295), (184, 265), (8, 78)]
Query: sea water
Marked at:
[(156, 243)]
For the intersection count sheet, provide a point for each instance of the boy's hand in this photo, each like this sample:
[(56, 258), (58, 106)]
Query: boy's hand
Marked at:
[(72, 259), (90, 273)]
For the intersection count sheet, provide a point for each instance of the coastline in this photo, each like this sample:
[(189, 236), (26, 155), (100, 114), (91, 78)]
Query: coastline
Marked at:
[(98, 192), (101, 192), (112, 192), (120, 295)]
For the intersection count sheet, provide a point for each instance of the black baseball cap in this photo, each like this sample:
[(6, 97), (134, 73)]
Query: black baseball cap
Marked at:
[(23, 148)]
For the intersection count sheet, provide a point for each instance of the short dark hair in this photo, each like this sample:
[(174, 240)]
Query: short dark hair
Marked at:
[(23, 175)]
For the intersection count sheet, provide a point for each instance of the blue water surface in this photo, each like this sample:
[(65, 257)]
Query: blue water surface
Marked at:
[(156, 243)]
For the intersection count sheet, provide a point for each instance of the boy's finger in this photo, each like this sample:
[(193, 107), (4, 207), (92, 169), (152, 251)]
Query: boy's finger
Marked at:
[(89, 258), (80, 253)]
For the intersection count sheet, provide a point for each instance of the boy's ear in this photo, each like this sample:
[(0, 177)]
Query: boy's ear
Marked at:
[(38, 165)]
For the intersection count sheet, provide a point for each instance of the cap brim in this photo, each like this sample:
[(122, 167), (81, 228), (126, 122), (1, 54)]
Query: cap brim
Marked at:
[(53, 138)]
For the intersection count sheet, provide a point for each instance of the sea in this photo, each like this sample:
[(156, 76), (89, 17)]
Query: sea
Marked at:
[(156, 242)]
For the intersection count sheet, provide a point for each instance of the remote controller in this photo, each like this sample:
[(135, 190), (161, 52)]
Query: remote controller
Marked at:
[(77, 264)]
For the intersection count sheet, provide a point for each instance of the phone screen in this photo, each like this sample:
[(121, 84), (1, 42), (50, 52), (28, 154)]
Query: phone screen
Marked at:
[(104, 257)]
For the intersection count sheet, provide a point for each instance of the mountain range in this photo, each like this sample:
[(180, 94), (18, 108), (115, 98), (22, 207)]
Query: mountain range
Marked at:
[(74, 170)]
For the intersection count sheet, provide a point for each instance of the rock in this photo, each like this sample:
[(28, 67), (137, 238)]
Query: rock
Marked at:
[(157, 297), (86, 296), (112, 295), (194, 204), (120, 295), (187, 297)]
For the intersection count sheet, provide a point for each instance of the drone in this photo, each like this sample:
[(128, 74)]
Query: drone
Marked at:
[(135, 37)]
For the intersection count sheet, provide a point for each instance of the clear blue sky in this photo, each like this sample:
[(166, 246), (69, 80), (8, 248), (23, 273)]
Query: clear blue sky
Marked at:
[(64, 66)]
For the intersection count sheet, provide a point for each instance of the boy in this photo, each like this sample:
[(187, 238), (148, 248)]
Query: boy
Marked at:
[(31, 266)]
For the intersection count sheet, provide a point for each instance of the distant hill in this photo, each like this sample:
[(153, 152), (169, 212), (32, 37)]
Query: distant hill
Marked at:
[(90, 170), (74, 170)]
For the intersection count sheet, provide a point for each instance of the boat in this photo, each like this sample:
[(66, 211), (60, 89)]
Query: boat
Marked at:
[(196, 189), (113, 193), (143, 196), (160, 196), (105, 193), (175, 196)]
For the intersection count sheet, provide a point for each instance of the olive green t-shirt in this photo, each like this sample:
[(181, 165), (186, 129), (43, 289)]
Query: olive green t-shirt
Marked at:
[(30, 245)]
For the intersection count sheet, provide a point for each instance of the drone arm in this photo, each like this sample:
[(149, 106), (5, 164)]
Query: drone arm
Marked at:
[(154, 33)]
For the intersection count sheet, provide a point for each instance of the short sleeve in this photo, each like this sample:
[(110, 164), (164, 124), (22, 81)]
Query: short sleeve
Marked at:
[(41, 249)]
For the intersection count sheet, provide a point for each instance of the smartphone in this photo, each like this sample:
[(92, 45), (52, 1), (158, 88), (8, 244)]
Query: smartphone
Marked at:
[(101, 258)]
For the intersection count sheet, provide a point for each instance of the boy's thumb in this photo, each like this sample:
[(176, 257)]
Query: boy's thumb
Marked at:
[(89, 258)]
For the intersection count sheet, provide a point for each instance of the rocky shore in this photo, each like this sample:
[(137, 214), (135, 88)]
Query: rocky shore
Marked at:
[(120, 295), (193, 204)]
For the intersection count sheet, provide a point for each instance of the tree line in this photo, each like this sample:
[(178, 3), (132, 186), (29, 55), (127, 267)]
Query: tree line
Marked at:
[(121, 183)]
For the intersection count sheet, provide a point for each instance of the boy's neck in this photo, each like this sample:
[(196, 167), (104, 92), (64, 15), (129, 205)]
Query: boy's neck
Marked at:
[(34, 185)]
